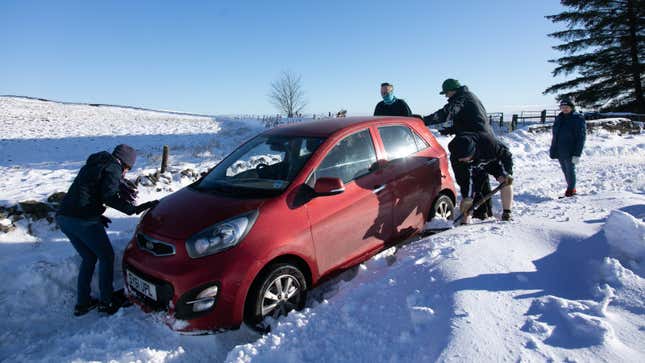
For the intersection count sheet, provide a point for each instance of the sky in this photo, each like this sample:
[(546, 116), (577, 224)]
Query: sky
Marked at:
[(220, 57)]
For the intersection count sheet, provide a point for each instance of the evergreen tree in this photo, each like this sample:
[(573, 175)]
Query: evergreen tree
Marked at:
[(604, 44)]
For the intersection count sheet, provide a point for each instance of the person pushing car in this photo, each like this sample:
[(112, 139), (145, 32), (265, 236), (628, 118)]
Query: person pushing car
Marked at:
[(467, 114), (391, 106), (81, 219)]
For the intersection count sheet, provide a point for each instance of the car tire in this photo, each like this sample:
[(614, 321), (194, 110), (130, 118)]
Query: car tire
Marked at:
[(443, 207), (280, 289)]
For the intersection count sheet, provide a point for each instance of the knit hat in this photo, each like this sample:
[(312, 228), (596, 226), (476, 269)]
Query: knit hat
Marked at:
[(126, 154), (461, 147), (449, 85), (567, 102)]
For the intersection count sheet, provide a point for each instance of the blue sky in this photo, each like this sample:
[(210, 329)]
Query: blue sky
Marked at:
[(219, 57)]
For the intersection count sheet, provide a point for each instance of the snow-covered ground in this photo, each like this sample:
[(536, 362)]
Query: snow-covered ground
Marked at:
[(563, 282)]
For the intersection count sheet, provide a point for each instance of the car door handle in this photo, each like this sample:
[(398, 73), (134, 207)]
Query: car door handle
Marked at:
[(377, 189)]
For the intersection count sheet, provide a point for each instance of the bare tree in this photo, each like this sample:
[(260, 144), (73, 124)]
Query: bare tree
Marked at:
[(287, 94)]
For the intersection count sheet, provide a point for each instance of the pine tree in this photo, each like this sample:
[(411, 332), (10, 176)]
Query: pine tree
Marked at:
[(604, 45)]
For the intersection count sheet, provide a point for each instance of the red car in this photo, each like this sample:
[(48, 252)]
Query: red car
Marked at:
[(286, 208)]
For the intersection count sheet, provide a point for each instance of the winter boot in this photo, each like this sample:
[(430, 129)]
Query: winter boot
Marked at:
[(506, 215), (80, 310), (109, 308), (570, 193)]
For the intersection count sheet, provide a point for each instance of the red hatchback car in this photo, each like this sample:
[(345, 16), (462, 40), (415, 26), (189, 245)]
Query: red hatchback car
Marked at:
[(290, 206)]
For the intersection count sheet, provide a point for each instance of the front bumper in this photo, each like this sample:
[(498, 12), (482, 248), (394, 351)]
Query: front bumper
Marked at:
[(178, 279)]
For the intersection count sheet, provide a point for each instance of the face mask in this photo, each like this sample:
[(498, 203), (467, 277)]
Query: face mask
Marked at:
[(389, 98)]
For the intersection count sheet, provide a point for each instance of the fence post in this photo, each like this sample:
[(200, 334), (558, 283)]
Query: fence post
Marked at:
[(164, 159), (543, 116), (501, 120), (514, 122)]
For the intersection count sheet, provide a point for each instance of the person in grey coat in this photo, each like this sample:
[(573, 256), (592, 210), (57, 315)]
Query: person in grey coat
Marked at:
[(569, 133)]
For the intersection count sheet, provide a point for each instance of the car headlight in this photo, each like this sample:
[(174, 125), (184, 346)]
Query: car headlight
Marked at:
[(221, 236)]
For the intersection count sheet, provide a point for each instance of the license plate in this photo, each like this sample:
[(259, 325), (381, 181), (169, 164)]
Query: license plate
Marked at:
[(141, 285)]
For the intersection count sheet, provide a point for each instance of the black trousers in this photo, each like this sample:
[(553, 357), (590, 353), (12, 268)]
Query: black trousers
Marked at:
[(462, 177)]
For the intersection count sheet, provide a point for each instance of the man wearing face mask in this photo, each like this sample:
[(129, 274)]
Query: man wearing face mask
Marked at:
[(81, 219), (391, 106)]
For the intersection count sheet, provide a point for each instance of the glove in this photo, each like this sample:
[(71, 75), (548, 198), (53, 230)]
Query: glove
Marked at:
[(575, 160), (105, 221), (145, 206), (508, 179), (465, 205)]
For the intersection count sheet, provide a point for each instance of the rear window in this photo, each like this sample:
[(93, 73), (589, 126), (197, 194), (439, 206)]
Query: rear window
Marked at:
[(399, 141)]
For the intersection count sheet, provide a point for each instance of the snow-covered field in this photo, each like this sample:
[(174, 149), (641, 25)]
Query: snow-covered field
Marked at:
[(563, 282)]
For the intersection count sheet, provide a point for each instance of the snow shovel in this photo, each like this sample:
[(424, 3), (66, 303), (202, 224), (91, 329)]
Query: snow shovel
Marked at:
[(483, 200)]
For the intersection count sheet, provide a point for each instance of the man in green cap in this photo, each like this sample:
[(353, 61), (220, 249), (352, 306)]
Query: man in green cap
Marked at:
[(464, 112)]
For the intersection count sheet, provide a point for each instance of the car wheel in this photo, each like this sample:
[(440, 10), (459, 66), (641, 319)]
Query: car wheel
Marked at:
[(443, 207), (279, 290)]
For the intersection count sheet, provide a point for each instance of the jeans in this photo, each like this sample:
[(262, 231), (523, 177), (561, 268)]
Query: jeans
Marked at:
[(569, 170), (91, 242)]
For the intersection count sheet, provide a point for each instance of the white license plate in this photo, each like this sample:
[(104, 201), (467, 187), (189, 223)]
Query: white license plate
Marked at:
[(141, 285)]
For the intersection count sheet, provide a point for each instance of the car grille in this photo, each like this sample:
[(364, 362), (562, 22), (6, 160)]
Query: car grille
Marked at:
[(154, 246)]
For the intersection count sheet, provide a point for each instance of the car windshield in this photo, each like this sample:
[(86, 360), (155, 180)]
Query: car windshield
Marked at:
[(266, 164)]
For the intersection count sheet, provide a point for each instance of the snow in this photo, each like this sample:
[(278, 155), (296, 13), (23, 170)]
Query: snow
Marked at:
[(563, 282)]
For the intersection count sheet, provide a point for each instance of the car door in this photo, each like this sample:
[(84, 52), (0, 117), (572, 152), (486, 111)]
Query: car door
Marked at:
[(414, 177), (357, 221)]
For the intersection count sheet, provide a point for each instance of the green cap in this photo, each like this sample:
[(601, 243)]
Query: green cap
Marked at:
[(449, 85)]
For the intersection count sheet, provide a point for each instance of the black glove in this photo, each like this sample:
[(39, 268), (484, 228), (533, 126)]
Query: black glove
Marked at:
[(145, 206), (105, 221)]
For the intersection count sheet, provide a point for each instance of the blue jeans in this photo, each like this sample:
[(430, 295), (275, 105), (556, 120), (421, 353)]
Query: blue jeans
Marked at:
[(569, 170), (91, 242)]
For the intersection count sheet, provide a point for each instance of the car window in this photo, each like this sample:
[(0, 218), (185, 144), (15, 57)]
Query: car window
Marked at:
[(398, 141), (349, 159), (421, 143)]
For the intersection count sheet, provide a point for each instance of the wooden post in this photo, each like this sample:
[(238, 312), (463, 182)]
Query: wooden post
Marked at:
[(514, 122), (501, 120), (543, 116), (164, 159)]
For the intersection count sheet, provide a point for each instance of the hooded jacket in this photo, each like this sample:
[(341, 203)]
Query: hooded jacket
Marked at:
[(96, 185), (569, 134), (491, 157), (466, 112)]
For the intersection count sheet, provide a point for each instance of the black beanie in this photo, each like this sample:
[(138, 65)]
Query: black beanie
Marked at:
[(126, 154), (461, 147), (567, 102)]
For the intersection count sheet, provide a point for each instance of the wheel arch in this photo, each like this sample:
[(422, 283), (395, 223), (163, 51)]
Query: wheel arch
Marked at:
[(293, 259)]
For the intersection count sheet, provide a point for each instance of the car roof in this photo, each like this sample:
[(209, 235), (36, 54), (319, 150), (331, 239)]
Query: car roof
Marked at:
[(328, 126)]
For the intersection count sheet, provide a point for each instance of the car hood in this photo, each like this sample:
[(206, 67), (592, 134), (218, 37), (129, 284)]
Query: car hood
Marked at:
[(186, 212)]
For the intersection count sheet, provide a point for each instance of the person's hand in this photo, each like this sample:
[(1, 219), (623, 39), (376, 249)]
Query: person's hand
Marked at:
[(145, 206), (465, 205), (575, 160), (508, 179), (105, 221)]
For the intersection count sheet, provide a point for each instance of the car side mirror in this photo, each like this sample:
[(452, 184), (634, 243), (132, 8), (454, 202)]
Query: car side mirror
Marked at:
[(329, 186)]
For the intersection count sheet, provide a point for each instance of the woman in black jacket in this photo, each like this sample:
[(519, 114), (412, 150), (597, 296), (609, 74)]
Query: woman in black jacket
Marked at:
[(569, 133)]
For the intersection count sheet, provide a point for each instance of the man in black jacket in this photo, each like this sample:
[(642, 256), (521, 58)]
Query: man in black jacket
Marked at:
[(464, 112), (391, 106), (483, 154), (81, 219)]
